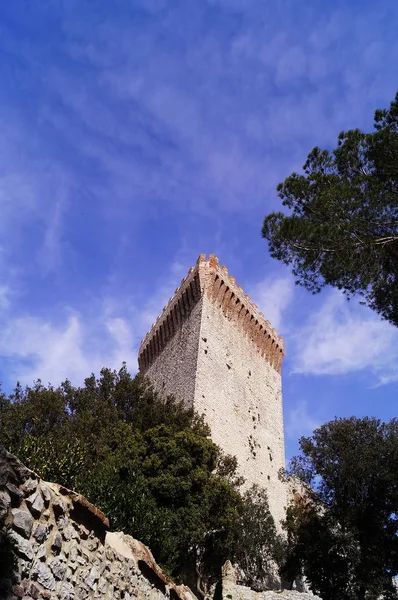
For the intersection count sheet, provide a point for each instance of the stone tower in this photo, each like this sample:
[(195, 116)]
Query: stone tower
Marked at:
[(212, 348)]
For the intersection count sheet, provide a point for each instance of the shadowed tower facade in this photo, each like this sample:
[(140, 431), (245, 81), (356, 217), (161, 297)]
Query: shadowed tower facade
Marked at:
[(212, 348)]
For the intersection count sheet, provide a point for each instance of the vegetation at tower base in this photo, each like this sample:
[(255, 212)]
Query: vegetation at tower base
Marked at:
[(345, 537), (148, 464), (343, 226)]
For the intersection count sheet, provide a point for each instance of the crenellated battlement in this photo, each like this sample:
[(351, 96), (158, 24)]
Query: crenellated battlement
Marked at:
[(213, 349), (173, 315), (209, 278)]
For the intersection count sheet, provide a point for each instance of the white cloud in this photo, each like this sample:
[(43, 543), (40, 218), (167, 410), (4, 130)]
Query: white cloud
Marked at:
[(50, 254), (34, 190), (77, 343), (39, 348), (298, 421), (273, 295), (4, 297), (343, 338)]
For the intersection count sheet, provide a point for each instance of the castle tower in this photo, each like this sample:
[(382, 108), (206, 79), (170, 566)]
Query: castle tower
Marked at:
[(212, 348)]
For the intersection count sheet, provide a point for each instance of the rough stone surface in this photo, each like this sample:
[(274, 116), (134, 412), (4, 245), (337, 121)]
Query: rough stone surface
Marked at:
[(41, 532), (30, 486), (35, 503), (212, 348), (5, 502), (82, 560), (58, 567), (56, 543), (44, 576), (22, 521), (22, 547), (15, 493)]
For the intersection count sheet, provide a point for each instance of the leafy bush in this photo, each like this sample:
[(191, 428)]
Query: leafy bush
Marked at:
[(344, 537), (148, 463)]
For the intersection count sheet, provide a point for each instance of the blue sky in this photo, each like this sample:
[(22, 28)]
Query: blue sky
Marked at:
[(137, 134)]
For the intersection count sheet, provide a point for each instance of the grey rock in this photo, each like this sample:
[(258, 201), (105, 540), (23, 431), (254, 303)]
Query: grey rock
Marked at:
[(59, 507), (110, 555), (22, 547), (101, 553), (83, 578), (23, 567), (41, 554), (92, 544), (11, 469), (101, 566), (35, 503), (66, 591), (5, 503), (41, 532), (22, 521), (92, 577), (58, 567), (46, 494), (15, 493), (69, 533), (30, 486), (84, 532), (102, 585), (44, 576), (82, 594), (56, 544), (62, 522), (84, 552), (73, 552)]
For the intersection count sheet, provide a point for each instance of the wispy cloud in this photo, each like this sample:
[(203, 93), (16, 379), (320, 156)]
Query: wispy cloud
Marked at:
[(343, 338), (4, 297), (216, 124), (300, 421), (164, 121), (73, 348), (73, 343), (273, 296)]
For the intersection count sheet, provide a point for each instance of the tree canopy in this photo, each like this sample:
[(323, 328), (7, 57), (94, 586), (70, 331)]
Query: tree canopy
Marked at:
[(342, 228), (345, 536), (148, 463)]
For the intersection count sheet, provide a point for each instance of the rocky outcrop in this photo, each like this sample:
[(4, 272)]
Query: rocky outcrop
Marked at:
[(55, 545), (231, 590)]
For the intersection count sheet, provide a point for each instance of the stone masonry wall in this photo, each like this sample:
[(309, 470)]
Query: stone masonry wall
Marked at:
[(213, 348), (173, 370), (240, 395), (54, 544)]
